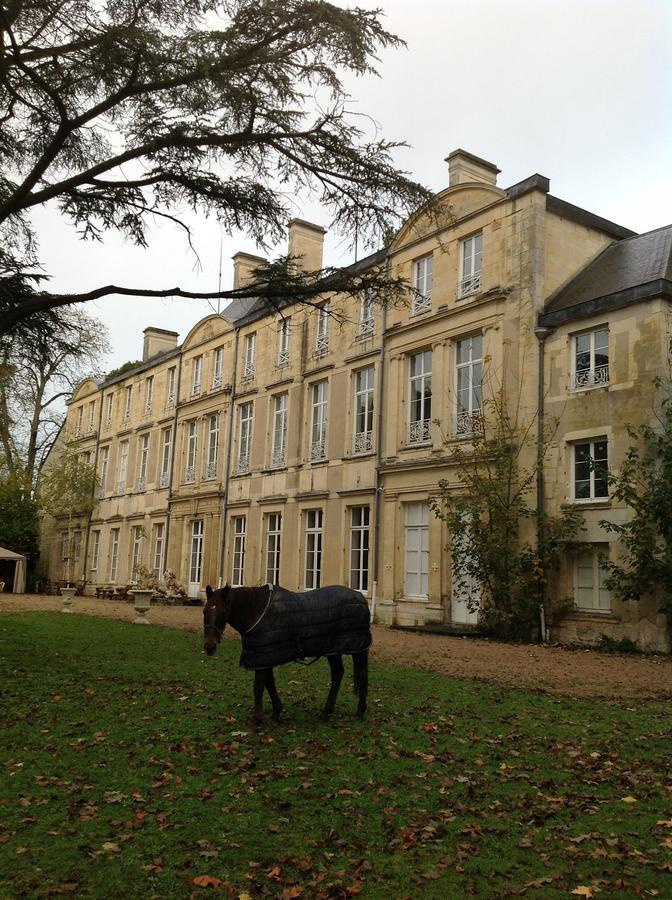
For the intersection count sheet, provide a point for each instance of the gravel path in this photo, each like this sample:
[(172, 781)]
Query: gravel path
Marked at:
[(551, 669)]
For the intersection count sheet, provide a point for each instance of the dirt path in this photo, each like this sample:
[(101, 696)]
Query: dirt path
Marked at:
[(556, 670)]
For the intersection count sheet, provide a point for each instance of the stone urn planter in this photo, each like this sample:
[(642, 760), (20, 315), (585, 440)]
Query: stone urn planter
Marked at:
[(67, 593), (141, 601)]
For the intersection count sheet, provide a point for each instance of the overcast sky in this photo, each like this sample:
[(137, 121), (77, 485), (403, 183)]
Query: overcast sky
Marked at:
[(578, 90)]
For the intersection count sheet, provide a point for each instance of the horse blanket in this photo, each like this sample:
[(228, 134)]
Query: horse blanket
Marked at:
[(326, 622)]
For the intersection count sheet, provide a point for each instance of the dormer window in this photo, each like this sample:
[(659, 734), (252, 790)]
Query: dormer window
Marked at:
[(471, 263)]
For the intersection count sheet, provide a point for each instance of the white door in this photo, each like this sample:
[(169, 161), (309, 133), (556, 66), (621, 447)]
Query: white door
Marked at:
[(465, 601)]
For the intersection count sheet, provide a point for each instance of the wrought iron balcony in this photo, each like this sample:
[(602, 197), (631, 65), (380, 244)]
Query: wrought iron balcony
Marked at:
[(196, 389), (278, 458), (126, 416), (170, 401), (190, 475), (420, 432), (362, 442), (243, 466), (141, 484), (216, 382), (211, 470), (469, 285), (318, 449), (321, 344), (588, 378), (469, 423), (421, 304), (365, 328), (164, 479), (283, 358)]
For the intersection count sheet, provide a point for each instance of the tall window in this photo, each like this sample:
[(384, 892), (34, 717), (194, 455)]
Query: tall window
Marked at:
[(114, 553), (123, 467), (238, 567), (422, 282), (366, 315), (192, 446), (136, 550), (128, 403), (157, 556), (591, 359), (170, 387), (318, 438), (218, 363), (104, 463), (322, 332), (244, 437), (249, 355), (363, 431), (313, 548), (469, 378), (92, 415), (108, 409), (471, 261), (359, 548), (589, 580), (417, 550), (283, 341), (76, 545), (279, 442), (197, 372), (149, 394), (273, 529), (591, 470), (196, 553), (213, 447), (142, 462), (78, 421), (95, 553), (420, 424), (166, 449)]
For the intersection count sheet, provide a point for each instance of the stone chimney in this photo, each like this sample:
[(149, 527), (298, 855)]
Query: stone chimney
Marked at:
[(306, 241), (243, 265), (465, 167), (157, 340)]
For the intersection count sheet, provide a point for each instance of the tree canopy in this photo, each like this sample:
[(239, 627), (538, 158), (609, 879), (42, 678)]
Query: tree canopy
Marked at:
[(124, 111)]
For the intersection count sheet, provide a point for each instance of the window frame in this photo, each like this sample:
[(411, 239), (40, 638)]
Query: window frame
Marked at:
[(166, 456), (191, 452), (196, 551), (419, 429), (359, 554), (213, 447), (319, 419), (593, 460), (598, 573), (469, 282), (312, 573), (468, 420), (322, 329), (421, 528), (593, 376), (280, 417), (249, 356), (123, 467), (423, 277), (364, 410), (273, 547), (243, 464), (217, 367), (114, 553), (95, 551), (158, 549), (143, 460), (284, 332), (239, 535)]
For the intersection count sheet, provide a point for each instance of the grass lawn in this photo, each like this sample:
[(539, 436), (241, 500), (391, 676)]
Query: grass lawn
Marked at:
[(129, 770)]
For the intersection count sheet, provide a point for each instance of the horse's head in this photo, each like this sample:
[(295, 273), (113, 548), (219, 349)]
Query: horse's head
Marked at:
[(214, 617)]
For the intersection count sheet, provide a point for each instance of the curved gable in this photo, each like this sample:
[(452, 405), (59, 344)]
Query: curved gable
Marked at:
[(84, 389), (204, 330)]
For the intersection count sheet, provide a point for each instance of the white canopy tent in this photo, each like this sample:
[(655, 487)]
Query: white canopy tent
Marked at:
[(19, 584)]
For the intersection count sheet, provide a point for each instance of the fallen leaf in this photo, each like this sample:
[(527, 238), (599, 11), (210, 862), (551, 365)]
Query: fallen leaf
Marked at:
[(629, 799), (206, 881), (111, 847), (584, 891)]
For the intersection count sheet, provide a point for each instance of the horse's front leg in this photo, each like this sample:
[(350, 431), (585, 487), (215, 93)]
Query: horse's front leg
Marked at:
[(336, 666), (259, 684), (273, 694)]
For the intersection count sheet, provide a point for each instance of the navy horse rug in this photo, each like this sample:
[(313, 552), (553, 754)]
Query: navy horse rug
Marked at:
[(330, 621)]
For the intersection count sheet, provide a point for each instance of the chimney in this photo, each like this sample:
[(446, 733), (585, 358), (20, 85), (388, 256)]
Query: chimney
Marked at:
[(465, 167), (157, 340), (243, 265), (306, 242)]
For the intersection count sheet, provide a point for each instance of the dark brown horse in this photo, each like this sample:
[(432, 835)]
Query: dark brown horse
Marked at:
[(278, 626)]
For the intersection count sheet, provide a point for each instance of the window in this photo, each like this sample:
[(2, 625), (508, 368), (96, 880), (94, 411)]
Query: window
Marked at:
[(76, 545), (279, 439), (157, 558), (123, 467), (128, 403), (65, 545), (420, 424), (95, 552), (244, 437), (92, 414), (366, 316), (142, 463), (471, 261), (104, 463), (313, 548), (417, 550), (273, 529), (166, 450), (108, 409), (218, 362), (196, 374), (192, 447), (591, 470), (283, 342), (359, 548), (196, 554), (318, 439), (149, 394), (78, 422), (363, 431), (213, 447), (322, 332), (170, 388), (589, 577), (136, 550), (248, 359), (591, 359), (238, 567), (469, 378), (114, 553), (422, 282)]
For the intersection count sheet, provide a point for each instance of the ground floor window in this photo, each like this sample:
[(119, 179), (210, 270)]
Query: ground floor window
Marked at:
[(196, 555), (416, 570), (273, 528), (238, 569), (136, 554), (95, 554), (589, 576), (313, 548), (114, 553), (159, 538), (359, 548)]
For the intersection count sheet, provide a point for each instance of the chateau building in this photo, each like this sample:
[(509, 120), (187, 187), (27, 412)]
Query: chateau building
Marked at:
[(304, 447)]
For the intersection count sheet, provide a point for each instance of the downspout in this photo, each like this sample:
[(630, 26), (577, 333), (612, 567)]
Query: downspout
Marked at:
[(541, 333), (172, 460), (379, 452), (227, 472), (95, 487)]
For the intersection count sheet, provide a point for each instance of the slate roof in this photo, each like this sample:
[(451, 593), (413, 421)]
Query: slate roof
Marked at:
[(624, 272)]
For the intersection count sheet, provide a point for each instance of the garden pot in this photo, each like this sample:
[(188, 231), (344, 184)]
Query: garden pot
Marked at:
[(67, 593), (141, 601)]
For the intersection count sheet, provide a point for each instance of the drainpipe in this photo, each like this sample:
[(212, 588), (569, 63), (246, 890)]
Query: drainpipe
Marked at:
[(379, 451), (172, 460), (541, 333), (227, 473)]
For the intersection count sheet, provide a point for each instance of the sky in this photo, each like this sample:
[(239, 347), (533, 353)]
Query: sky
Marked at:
[(577, 90)]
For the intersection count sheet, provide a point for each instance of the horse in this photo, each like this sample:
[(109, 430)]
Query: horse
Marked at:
[(279, 626)]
